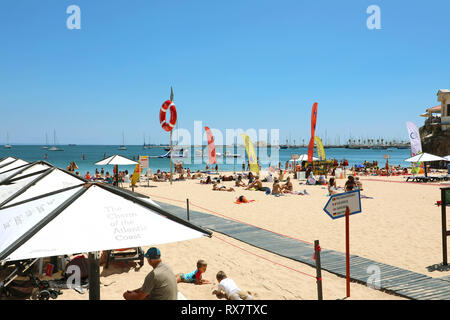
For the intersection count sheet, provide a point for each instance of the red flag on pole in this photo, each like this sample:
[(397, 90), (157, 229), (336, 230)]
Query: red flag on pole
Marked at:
[(211, 147), (313, 132)]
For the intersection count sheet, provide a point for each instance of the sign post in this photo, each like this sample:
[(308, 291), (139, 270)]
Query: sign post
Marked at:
[(343, 205)]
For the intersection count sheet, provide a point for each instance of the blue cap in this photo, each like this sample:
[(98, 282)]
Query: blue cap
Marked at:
[(153, 253)]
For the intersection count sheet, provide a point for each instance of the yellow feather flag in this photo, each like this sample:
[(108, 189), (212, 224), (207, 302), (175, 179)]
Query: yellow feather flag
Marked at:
[(320, 149), (136, 174), (251, 154)]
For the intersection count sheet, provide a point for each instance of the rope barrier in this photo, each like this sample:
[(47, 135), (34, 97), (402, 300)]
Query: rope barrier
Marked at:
[(264, 258), (230, 218)]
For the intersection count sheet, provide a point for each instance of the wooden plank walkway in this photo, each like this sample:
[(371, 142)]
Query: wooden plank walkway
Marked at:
[(394, 280)]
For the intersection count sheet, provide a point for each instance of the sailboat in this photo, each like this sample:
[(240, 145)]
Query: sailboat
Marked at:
[(122, 147), (46, 142), (7, 145), (55, 148)]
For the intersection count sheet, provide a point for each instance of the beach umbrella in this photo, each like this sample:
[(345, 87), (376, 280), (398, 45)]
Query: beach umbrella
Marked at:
[(116, 160), (425, 157), (447, 158), (303, 157), (90, 217), (5, 161)]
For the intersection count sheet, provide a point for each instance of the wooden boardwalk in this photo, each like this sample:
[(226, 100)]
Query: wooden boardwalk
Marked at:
[(394, 280)]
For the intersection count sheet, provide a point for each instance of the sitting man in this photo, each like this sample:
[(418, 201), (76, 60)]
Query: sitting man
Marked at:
[(257, 184), (287, 187), (159, 284), (239, 182), (276, 188)]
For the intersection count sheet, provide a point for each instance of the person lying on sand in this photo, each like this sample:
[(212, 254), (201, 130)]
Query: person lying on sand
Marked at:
[(287, 187), (239, 182), (228, 289), (197, 175), (243, 199), (194, 276), (221, 188), (207, 181), (226, 178)]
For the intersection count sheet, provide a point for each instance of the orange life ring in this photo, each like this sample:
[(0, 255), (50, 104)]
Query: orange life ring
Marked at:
[(168, 126)]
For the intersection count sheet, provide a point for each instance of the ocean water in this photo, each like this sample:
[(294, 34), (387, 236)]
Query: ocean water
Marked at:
[(94, 153)]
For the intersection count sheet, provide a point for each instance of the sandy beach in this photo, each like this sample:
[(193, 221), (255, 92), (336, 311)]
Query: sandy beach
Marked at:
[(400, 226)]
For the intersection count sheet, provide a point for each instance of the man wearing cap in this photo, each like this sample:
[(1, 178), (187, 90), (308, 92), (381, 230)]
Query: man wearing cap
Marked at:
[(160, 284)]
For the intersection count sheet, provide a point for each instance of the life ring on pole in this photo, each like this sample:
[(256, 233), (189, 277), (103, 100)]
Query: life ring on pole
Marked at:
[(168, 126)]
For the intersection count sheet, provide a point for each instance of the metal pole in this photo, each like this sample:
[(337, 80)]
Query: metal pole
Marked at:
[(347, 248), (170, 157), (187, 208), (444, 226), (94, 276), (318, 270)]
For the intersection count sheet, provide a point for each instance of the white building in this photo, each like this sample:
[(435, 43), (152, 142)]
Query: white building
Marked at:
[(444, 98)]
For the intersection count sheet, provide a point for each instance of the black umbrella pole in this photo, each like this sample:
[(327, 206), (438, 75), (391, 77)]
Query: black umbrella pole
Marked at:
[(94, 276)]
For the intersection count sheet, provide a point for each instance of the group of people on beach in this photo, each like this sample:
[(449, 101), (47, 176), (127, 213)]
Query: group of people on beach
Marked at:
[(162, 284)]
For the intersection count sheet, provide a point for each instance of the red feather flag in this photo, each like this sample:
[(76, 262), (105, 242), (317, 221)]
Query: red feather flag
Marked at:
[(211, 146), (313, 132)]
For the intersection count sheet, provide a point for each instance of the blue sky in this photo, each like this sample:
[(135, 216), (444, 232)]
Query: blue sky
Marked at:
[(233, 64)]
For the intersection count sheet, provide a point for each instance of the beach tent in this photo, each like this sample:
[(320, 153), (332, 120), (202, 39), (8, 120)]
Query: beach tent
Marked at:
[(5, 161), (89, 217), (23, 170), (425, 157), (24, 187), (116, 160)]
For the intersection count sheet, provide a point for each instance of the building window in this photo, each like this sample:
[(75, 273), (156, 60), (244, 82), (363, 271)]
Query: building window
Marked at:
[(448, 110)]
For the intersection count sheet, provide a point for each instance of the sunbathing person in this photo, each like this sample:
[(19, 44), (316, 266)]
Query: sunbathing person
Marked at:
[(239, 182), (257, 184), (287, 187), (207, 181), (197, 175), (226, 178), (221, 188)]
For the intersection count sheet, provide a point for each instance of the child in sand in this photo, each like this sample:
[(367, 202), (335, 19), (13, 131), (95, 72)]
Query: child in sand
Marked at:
[(229, 290), (194, 276)]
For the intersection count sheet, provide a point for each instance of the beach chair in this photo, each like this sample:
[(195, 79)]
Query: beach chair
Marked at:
[(128, 254)]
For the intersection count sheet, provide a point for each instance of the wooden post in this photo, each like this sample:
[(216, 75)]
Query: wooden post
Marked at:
[(347, 248), (187, 208), (318, 270), (94, 276), (445, 233)]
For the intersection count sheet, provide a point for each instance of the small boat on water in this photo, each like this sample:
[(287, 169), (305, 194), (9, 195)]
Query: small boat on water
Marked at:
[(55, 148), (7, 145), (228, 155), (176, 154), (122, 147), (46, 142)]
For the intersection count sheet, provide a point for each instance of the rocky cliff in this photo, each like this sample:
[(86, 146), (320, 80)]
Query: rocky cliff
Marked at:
[(434, 140)]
